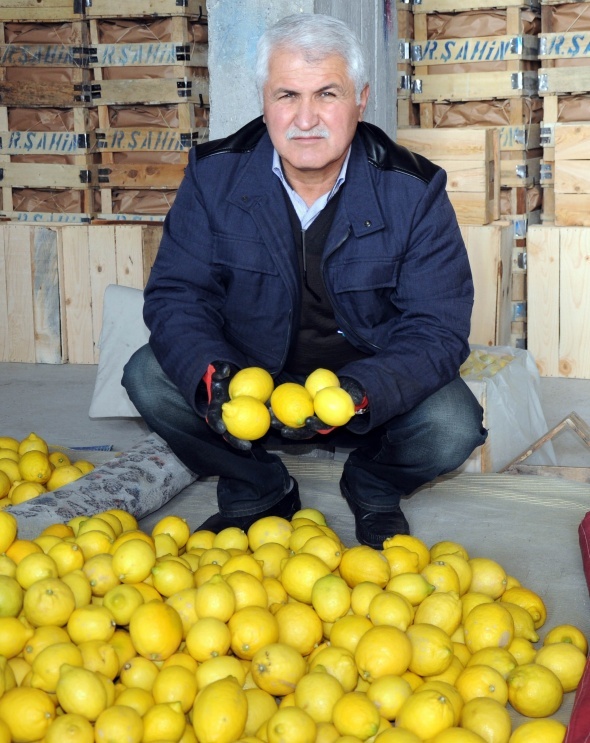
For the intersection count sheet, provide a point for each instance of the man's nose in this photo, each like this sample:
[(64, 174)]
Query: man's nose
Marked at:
[(307, 114)]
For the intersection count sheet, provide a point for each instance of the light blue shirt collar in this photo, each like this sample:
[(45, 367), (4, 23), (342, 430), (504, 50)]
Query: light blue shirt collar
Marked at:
[(306, 213)]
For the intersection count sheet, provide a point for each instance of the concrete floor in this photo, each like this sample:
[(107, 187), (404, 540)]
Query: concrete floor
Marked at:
[(53, 401)]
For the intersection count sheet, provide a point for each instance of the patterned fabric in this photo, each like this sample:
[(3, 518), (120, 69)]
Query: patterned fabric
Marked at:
[(140, 481)]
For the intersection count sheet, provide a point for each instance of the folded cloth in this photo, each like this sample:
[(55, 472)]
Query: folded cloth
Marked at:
[(140, 481), (578, 730)]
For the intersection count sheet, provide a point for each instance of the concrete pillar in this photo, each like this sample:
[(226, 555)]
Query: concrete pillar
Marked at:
[(236, 25)]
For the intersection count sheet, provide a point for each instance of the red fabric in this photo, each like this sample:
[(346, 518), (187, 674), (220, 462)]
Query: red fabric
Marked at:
[(578, 730)]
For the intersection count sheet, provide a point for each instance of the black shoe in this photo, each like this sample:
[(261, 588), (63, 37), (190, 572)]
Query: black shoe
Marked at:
[(285, 508), (373, 528)]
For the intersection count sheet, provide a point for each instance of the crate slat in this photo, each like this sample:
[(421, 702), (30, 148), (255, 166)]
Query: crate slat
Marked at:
[(153, 92), (474, 86), (40, 10), (45, 175), (148, 55), (141, 8), (574, 304), (474, 49), (564, 80)]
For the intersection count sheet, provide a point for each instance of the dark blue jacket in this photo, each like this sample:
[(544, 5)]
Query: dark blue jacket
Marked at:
[(225, 284)]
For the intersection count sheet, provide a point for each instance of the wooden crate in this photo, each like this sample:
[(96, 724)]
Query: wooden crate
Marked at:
[(470, 157), (489, 248), (559, 300), (31, 319), (140, 8), (474, 86), (41, 10)]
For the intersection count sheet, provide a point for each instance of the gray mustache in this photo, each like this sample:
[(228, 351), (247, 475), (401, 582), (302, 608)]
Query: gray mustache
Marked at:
[(292, 133)]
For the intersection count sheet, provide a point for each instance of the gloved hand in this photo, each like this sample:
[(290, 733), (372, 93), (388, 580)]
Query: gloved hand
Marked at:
[(313, 424), (217, 379)]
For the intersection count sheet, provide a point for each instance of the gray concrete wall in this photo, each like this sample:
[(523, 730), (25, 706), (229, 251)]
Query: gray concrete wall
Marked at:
[(235, 26)]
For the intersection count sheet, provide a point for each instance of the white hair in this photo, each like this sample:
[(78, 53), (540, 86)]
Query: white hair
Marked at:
[(317, 37)]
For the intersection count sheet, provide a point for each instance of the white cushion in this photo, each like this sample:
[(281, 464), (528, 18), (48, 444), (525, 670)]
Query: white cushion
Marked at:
[(123, 332)]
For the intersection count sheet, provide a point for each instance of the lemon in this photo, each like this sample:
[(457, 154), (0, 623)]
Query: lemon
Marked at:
[(277, 668), (567, 633), (20, 548), (317, 693), (132, 561), (175, 684), (242, 562), (122, 645), (163, 722), (355, 714), (139, 672), (220, 712), (291, 725), (499, 658), (121, 601), (99, 571), (488, 625), (10, 469), (84, 466), (269, 529), (472, 599), (248, 590), (401, 560), (488, 577), (220, 667), (251, 628), (388, 693), (488, 718), (448, 547), (523, 651), (67, 557), (414, 544), (253, 381), (320, 378), (170, 577), (478, 680), (155, 630), (528, 600), (301, 534), (330, 597), (8, 530), (32, 443), (91, 622), (215, 598), (457, 735), (292, 404), (27, 712), (426, 713), (59, 459), (14, 635), (47, 664), (361, 596), (413, 586), (333, 406), (539, 731), (397, 735), (5, 484), (524, 625), (80, 586), (100, 657), (119, 722), (565, 660), (175, 526), (68, 728), (34, 567), (46, 541), (392, 609), (80, 691), (270, 556), (48, 601), (246, 417), (11, 596), (534, 690), (62, 476), (261, 707), (34, 466), (300, 572), (442, 576), (348, 630), (298, 626), (432, 649), (443, 609), (94, 543), (8, 442), (313, 514), (383, 650), (463, 569), (183, 603), (232, 537), (449, 691), (362, 563), (138, 699)]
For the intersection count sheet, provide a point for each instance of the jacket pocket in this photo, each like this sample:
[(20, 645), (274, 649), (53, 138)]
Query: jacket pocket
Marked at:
[(243, 255), (364, 275)]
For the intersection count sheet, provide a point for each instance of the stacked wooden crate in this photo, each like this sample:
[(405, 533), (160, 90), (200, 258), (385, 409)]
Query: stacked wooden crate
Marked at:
[(150, 93), (45, 163), (559, 249), (475, 66)]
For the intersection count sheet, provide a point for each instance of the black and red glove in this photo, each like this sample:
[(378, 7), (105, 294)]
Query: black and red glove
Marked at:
[(217, 378), (313, 425)]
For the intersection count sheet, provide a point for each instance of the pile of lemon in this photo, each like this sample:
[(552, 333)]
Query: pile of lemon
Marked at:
[(246, 414), (278, 635), (28, 469)]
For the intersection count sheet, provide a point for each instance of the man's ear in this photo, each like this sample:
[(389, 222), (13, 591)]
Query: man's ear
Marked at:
[(364, 100)]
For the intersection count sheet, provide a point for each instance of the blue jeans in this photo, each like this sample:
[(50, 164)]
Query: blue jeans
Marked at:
[(433, 438)]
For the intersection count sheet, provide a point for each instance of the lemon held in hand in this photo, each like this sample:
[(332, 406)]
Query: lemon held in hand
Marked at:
[(319, 379), (292, 404), (252, 381), (246, 417), (333, 406)]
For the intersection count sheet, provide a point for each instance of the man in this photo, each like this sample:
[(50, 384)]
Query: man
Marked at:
[(309, 239)]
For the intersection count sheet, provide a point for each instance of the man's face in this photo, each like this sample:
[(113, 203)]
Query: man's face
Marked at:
[(311, 112)]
